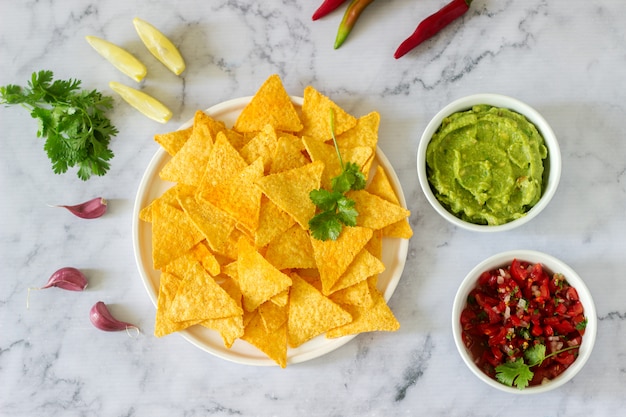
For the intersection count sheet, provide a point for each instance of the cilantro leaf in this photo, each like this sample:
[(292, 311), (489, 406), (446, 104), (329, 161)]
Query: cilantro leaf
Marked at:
[(517, 373), (72, 121), (336, 209), (535, 354)]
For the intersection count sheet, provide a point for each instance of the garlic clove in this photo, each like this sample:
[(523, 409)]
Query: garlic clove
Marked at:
[(102, 318), (91, 209), (67, 278)]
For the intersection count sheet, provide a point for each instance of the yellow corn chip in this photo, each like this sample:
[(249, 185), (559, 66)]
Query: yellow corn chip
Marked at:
[(291, 249), (281, 299), (273, 344), (377, 317), (375, 245), (374, 212), (163, 325), (215, 225), (270, 105), (272, 222), (316, 116), (173, 234), (290, 190), (333, 257), (311, 313), (224, 162), (263, 145), (188, 165), (172, 142), (364, 133), (288, 154), (257, 278), (206, 258), (357, 294), (364, 265), (199, 297), (272, 315), (230, 328), (239, 196), (381, 186), (170, 196), (320, 151)]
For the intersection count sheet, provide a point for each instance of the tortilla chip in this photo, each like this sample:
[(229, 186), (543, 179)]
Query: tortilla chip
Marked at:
[(170, 196), (333, 257), (270, 105), (273, 344), (223, 163), (199, 297), (374, 212), (288, 154), (272, 222), (239, 196), (377, 317), (188, 165), (263, 145), (168, 286), (311, 313), (358, 294), (214, 224), (290, 190), (381, 186), (173, 234), (172, 142), (206, 258), (364, 265), (291, 249), (364, 133), (258, 279), (316, 116), (319, 151), (273, 315), (229, 328)]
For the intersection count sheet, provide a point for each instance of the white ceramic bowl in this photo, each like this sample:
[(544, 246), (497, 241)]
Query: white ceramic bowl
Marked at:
[(552, 165), (553, 265)]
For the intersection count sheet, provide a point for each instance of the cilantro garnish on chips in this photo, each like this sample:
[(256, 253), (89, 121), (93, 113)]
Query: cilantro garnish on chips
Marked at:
[(336, 210)]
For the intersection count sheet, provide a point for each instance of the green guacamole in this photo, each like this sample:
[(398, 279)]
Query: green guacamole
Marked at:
[(485, 165)]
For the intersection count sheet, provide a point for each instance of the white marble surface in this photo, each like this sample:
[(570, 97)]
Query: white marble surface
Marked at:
[(566, 60)]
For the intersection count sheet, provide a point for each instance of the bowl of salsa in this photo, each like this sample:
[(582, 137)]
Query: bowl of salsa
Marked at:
[(488, 162), (524, 322)]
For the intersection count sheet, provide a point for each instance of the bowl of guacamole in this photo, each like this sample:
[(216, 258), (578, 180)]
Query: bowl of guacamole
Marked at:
[(488, 162)]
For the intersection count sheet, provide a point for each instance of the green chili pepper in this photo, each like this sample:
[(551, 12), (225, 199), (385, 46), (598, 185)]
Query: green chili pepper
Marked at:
[(350, 17)]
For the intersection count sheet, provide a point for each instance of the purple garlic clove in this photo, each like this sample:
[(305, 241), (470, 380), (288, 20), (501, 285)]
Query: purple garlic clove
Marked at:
[(91, 209), (103, 320), (67, 278)]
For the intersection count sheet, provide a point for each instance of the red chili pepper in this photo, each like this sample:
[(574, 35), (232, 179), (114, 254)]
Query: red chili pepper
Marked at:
[(353, 12), (326, 7), (430, 26)]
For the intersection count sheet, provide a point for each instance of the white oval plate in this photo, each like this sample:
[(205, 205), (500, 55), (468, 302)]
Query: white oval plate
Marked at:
[(151, 187)]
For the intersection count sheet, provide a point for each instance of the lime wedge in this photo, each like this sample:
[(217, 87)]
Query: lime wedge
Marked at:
[(147, 105), (160, 46), (119, 57)]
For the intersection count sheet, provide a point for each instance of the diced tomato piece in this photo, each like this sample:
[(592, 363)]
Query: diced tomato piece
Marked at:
[(518, 271), (548, 331), (571, 294), (536, 331), (467, 318), (485, 301), (561, 309), (575, 309), (565, 327), (565, 358)]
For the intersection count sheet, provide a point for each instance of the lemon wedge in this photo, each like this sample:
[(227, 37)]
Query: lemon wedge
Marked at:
[(146, 104), (160, 46), (119, 57)]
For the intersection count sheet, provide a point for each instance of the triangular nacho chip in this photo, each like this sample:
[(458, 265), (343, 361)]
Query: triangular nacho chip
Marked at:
[(173, 234), (168, 286), (311, 313), (288, 154), (263, 145), (239, 196), (377, 317), (270, 105), (316, 116), (364, 133), (272, 222), (333, 257), (375, 212), (258, 279), (364, 265), (199, 297), (223, 163), (291, 249), (172, 142), (273, 344), (290, 190), (381, 186)]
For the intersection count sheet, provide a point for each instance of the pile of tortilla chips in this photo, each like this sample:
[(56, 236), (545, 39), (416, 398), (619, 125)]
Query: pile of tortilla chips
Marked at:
[(231, 236)]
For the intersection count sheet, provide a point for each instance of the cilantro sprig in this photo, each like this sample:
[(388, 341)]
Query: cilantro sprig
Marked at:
[(72, 120), (518, 372), (335, 208)]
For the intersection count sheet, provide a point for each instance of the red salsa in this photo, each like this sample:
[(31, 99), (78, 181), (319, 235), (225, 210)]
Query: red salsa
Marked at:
[(516, 307)]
